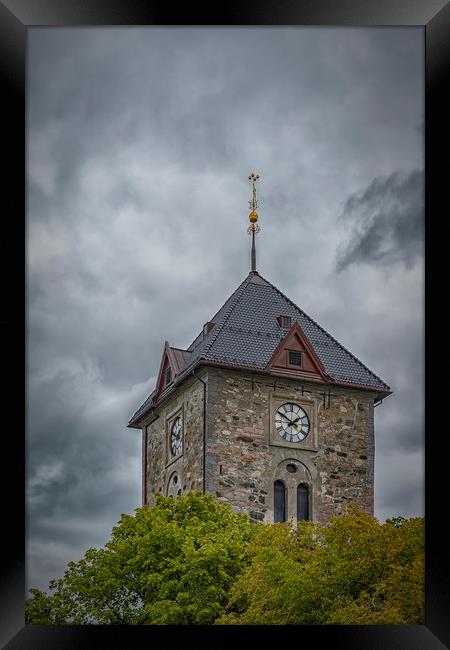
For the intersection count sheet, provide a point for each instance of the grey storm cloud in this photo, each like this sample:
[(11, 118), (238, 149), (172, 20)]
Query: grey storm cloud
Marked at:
[(139, 145), (387, 221)]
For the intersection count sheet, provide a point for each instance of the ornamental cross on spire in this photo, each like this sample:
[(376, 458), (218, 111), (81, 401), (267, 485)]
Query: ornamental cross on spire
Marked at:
[(253, 203), (253, 229)]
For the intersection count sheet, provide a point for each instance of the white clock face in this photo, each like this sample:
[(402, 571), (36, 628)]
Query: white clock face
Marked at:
[(176, 437), (291, 422)]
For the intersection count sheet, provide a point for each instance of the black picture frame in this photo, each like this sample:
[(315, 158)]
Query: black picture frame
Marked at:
[(16, 16)]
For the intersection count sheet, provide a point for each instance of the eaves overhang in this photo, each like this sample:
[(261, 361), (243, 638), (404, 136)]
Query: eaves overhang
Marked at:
[(288, 374), (137, 420)]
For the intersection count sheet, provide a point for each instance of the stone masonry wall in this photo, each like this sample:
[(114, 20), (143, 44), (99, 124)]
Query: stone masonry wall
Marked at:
[(238, 459), (189, 466), (244, 457)]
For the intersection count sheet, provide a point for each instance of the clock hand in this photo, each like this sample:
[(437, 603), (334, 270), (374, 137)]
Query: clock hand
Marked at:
[(290, 421)]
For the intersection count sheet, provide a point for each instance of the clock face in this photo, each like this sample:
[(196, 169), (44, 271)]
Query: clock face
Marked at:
[(176, 437), (291, 422)]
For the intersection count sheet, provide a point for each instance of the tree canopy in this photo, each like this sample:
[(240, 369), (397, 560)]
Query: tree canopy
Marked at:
[(192, 560), (173, 563), (350, 571)]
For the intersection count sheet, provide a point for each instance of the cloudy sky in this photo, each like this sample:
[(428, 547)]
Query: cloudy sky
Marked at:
[(140, 142)]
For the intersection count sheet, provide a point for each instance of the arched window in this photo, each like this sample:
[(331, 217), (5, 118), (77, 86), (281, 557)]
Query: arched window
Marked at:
[(279, 500), (173, 485), (302, 502)]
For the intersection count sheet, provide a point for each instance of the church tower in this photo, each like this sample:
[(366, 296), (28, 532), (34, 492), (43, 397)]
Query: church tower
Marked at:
[(264, 410)]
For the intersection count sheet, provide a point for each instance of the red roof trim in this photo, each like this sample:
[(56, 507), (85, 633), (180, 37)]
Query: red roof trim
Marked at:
[(159, 380), (286, 375)]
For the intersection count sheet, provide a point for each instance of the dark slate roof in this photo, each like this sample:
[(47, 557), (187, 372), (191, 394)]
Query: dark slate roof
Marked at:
[(246, 333)]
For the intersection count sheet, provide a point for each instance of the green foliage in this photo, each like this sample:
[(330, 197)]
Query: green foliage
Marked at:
[(173, 563), (396, 521), (192, 560), (350, 571)]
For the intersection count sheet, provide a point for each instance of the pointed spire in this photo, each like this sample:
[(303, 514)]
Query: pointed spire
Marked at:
[(253, 229)]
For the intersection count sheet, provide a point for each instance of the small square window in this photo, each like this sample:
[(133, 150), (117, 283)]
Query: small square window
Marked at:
[(294, 358), (286, 321)]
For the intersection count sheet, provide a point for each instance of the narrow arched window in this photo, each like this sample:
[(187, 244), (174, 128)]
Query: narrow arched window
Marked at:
[(302, 502), (279, 500)]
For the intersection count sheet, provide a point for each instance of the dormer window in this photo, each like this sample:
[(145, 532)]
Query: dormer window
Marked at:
[(294, 358), (284, 321), (168, 375)]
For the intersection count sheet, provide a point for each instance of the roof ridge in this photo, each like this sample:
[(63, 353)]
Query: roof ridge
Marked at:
[(218, 329), (221, 307), (325, 332)]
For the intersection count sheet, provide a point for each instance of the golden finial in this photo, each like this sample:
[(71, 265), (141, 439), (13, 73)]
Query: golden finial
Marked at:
[(253, 218)]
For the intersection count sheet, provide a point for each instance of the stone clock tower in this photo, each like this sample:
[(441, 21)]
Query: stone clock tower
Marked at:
[(264, 410)]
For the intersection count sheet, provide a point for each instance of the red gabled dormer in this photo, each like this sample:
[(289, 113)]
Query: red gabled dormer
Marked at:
[(166, 371), (294, 355), (173, 361)]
